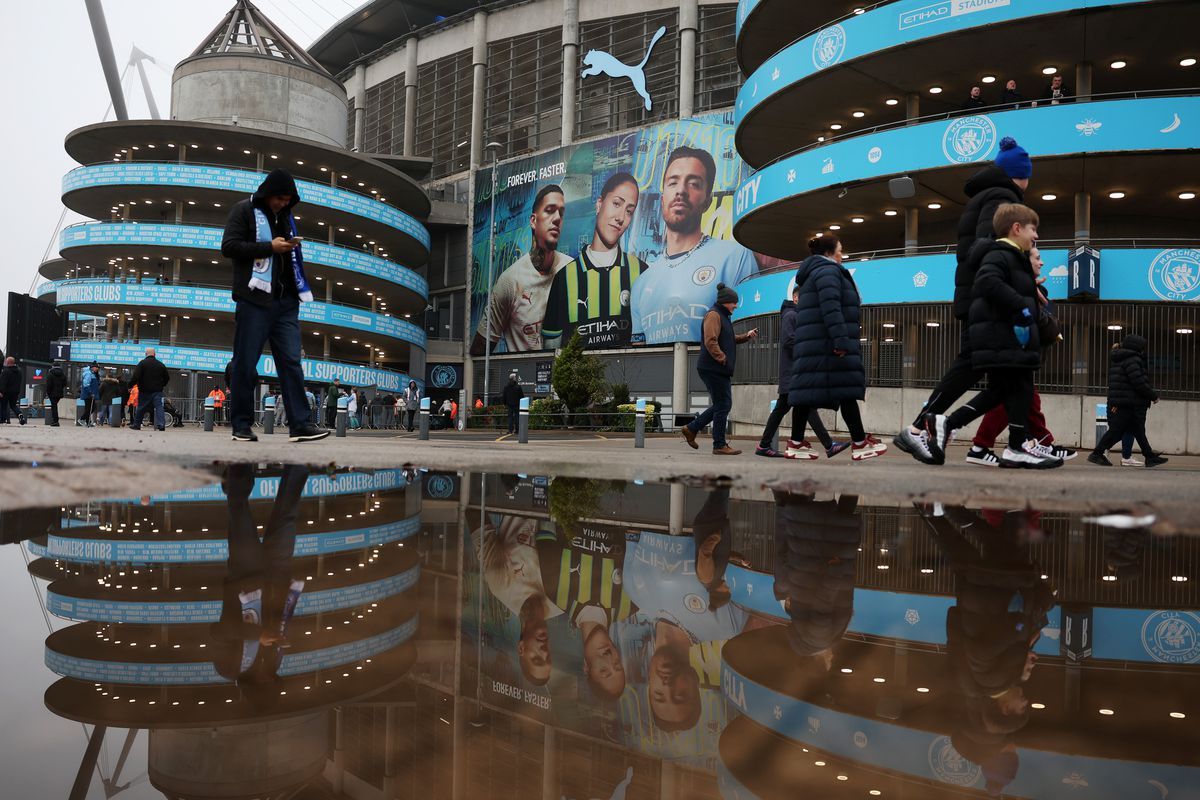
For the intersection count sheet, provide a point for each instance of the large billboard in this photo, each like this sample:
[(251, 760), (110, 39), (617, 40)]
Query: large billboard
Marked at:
[(622, 239)]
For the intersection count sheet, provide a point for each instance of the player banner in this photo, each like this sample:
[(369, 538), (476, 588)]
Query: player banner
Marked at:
[(623, 240)]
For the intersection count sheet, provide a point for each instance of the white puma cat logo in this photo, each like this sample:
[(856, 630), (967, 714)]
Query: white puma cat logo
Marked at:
[(601, 63)]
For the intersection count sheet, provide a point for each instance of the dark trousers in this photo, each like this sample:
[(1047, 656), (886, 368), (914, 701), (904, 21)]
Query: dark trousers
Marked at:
[(88, 404), (959, 377), (799, 423), (1012, 388), (850, 413), (255, 325), (514, 415), (720, 393), (146, 401), (9, 408), (54, 410), (996, 420), (330, 416), (411, 414), (1125, 420)]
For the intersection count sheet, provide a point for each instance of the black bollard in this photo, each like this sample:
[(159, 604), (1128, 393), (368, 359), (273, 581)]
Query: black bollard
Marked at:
[(523, 422), (269, 415), (639, 424), (423, 433), (114, 412), (210, 413), (342, 421)]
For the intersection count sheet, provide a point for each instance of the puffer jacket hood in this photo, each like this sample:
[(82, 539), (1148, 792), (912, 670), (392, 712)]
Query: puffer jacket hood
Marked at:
[(280, 181), (1134, 342), (991, 178)]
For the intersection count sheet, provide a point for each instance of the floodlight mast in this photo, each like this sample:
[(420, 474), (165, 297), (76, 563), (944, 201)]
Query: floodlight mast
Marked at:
[(108, 62)]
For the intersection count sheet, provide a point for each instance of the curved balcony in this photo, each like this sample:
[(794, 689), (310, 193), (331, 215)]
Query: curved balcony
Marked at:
[(1149, 153), (98, 244), (213, 360), (204, 194), (935, 50), (764, 27)]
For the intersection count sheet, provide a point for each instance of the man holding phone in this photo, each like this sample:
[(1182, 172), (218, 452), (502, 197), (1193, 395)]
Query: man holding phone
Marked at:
[(268, 286)]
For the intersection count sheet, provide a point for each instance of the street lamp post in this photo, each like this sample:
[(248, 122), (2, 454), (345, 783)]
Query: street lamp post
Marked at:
[(493, 148)]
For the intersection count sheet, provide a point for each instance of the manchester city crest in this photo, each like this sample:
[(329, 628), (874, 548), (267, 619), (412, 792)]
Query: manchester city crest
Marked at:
[(969, 139), (828, 46), (439, 486), (1172, 637), (704, 276), (444, 376), (949, 766), (1175, 274)]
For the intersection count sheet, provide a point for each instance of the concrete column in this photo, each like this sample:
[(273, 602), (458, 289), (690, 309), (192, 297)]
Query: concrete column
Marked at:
[(675, 520), (325, 339), (338, 777), (570, 101), (360, 106), (174, 330), (1083, 217), (258, 159), (1083, 81), (912, 106), (410, 97), (689, 23), (679, 380), (912, 219), (478, 88), (328, 289), (549, 764)]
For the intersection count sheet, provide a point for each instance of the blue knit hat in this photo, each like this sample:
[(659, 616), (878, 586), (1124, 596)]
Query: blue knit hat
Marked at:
[(1013, 159)]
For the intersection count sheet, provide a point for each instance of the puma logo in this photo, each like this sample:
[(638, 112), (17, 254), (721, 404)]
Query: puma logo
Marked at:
[(601, 63)]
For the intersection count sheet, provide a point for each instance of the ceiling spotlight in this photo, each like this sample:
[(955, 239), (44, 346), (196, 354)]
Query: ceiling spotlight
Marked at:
[(835, 227), (835, 127), (1116, 195), (857, 220), (859, 114), (1115, 328), (935, 90), (891, 212), (1178, 715), (933, 324), (859, 10), (1187, 195), (1187, 62), (1037, 706), (1049, 70), (1184, 331), (1049, 197), (934, 206), (1107, 712), (988, 79), (1118, 64), (891, 101)]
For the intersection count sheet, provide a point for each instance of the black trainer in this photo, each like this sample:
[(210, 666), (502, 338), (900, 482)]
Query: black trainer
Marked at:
[(309, 433), (1099, 459), (246, 435), (1156, 460)]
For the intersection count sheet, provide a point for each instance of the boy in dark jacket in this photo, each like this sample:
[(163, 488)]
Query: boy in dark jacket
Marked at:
[(1130, 395), (268, 286), (10, 391), (797, 446), (56, 387), (1002, 334), (715, 365)]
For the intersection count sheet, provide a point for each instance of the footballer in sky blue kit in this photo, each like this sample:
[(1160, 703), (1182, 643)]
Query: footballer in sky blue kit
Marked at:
[(669, 300)]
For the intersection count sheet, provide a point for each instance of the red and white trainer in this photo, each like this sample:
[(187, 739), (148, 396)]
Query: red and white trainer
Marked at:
[(870, 448), (800, 450)]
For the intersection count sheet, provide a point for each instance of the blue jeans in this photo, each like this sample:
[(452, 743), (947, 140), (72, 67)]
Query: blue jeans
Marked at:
[(720, 390), (145, 401), (254, 326)]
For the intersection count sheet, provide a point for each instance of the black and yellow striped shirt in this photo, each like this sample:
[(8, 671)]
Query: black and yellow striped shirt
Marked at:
[(585, 570), (593, 301)]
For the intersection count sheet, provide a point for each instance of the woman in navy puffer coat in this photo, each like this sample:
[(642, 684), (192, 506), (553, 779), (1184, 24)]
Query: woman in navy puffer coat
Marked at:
[(827, 366)]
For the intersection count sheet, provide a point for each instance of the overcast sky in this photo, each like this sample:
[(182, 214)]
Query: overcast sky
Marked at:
[(53, 84)]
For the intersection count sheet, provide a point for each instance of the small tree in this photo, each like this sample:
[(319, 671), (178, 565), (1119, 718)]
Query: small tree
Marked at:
[(578, 377)]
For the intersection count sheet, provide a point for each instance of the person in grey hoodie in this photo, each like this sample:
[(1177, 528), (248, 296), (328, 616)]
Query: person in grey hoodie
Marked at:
[(412, 402)]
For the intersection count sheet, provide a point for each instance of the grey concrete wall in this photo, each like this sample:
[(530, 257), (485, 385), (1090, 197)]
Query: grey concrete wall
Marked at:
[(1172, 426), (264, 93)]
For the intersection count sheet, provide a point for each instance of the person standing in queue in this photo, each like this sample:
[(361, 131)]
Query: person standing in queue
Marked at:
[(10, 391), (412, 402), (268, 286), (513, 395), (151, 378), (827, 366), (56, 387), (715, 365)]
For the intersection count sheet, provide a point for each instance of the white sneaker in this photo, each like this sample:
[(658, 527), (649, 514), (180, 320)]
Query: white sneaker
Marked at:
[(800, 450), (1131, 462), (982, 457), (1031, 456), (915, 444)]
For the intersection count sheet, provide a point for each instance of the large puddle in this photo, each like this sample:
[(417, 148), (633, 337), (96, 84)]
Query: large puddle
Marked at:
[(290, 632)]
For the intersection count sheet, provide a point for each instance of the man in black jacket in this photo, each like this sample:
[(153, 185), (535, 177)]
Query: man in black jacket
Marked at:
[(151, 378), (1130, 395), (268, 287), (56, 387), (1002, 333), (512, 396), (1003, 182), (10, 391)]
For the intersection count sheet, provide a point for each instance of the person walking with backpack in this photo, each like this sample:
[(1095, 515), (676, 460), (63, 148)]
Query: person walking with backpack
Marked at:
[(827, 367), (797, 446), (56, 387), (10, 391), (717, 359), (1130, 395)]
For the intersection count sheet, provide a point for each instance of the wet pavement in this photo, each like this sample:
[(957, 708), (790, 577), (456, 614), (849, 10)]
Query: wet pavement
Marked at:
[(295, 631)]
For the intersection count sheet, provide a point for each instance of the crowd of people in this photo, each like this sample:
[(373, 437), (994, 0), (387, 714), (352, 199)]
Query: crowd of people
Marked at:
[(1056, 92)]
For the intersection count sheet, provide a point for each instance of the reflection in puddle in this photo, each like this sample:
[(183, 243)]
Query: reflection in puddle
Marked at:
[(400, 633)]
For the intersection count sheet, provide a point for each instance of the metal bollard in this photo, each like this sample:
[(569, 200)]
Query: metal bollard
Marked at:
[(269, 415), (423, 429), (639, 424), (523, 422), (80, 417), (115, 415), (342, 421), (775, 441), (49, 414), (210, 413), (1101, 421)]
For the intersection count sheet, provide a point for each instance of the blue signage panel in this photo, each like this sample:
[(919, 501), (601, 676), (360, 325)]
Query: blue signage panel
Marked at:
[(195, 358), (101, 291), (1109, 126), (197, 237), (890, 25), (242, 181), (1131, 275)]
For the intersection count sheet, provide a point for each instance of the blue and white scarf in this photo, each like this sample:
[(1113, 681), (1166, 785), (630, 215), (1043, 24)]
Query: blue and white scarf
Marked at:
[(260, 277)]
